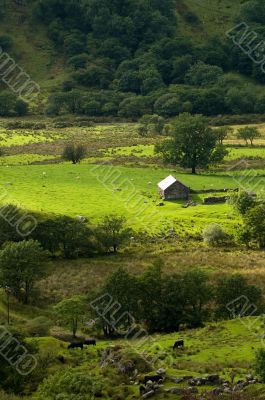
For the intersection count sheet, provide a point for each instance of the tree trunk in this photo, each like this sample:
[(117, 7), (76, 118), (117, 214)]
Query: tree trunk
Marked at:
[(193, 170)]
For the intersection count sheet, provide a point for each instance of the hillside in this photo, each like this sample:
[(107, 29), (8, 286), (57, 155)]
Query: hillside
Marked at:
[(132, 60), (132, 207)]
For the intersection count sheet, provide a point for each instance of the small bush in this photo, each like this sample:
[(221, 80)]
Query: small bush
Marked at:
[(39, 326), (260, 364), (213, 235), (74, 153)]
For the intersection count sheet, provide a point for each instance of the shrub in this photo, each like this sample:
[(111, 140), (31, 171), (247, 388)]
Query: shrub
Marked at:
[(235, 297), (113, 233), (74, 153), (202, 74), (242, 202), (69, 384), (260, 364), (213, 235), (39, 326), (21, 266), (6, 42)]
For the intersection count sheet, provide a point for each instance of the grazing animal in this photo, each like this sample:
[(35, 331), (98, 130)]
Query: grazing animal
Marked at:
[(178, 343), (142, 390), (89, 342), (61, 359), (75, 345), (154, 378)]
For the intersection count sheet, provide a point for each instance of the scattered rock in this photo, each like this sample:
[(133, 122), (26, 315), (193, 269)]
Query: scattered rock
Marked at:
[(249, 377), (217, 391), (178, 391), (81, 218), (148, 394), (177, 380), (215, 200), (184, 391), (161, 371)]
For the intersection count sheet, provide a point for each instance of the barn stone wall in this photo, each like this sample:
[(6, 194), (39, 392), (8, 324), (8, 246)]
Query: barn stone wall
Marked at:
[(176, 191)]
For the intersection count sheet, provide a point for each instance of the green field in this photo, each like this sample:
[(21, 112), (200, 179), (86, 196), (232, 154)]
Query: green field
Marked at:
[(35, 177), (100, 66), (120, 175), (96, 191)]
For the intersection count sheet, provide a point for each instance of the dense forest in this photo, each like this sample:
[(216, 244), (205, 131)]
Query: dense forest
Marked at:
[(129, 58)]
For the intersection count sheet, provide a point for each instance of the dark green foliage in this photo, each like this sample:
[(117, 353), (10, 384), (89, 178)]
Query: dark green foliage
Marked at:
[(260, 364), (236, 298), (21, 265), (21, 108), (134, 47), (161, 302), (92, 103), (65, 235), (193, 143), (9, 221), (11, 105), (134, 107), (124, 289), (201, 74), (74, 43), (79, 61), (151, 125), (249, 133), (6, 42), (112, 232), (94, 75), (74, 153), (166, 302), (253, 11), (169, 105), (222, 133), (252, 210), (255, 225), (180, 67), (68, 384), (13, 343), (243, 202), (71, 312)]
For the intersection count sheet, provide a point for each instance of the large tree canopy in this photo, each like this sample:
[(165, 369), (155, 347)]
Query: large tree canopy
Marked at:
[(192, 144)]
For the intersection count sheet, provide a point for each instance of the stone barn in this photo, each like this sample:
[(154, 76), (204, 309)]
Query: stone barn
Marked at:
[(172, 189)]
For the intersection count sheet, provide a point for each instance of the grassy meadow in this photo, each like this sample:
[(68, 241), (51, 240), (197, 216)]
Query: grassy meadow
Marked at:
[(120, 175)]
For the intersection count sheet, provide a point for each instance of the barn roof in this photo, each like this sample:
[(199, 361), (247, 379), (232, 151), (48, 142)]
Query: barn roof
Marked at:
[(167, 182)]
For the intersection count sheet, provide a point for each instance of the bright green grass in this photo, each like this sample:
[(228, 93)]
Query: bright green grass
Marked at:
[(221, 345), (24, 159), (96, 191), (20, 138), (217, 348), (148, 151), (245, 152)]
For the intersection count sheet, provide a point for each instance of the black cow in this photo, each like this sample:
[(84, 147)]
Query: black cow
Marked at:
[(178, 343), (154, 378), (90, 342), (76, 345), (142, 390), (61, 359)]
